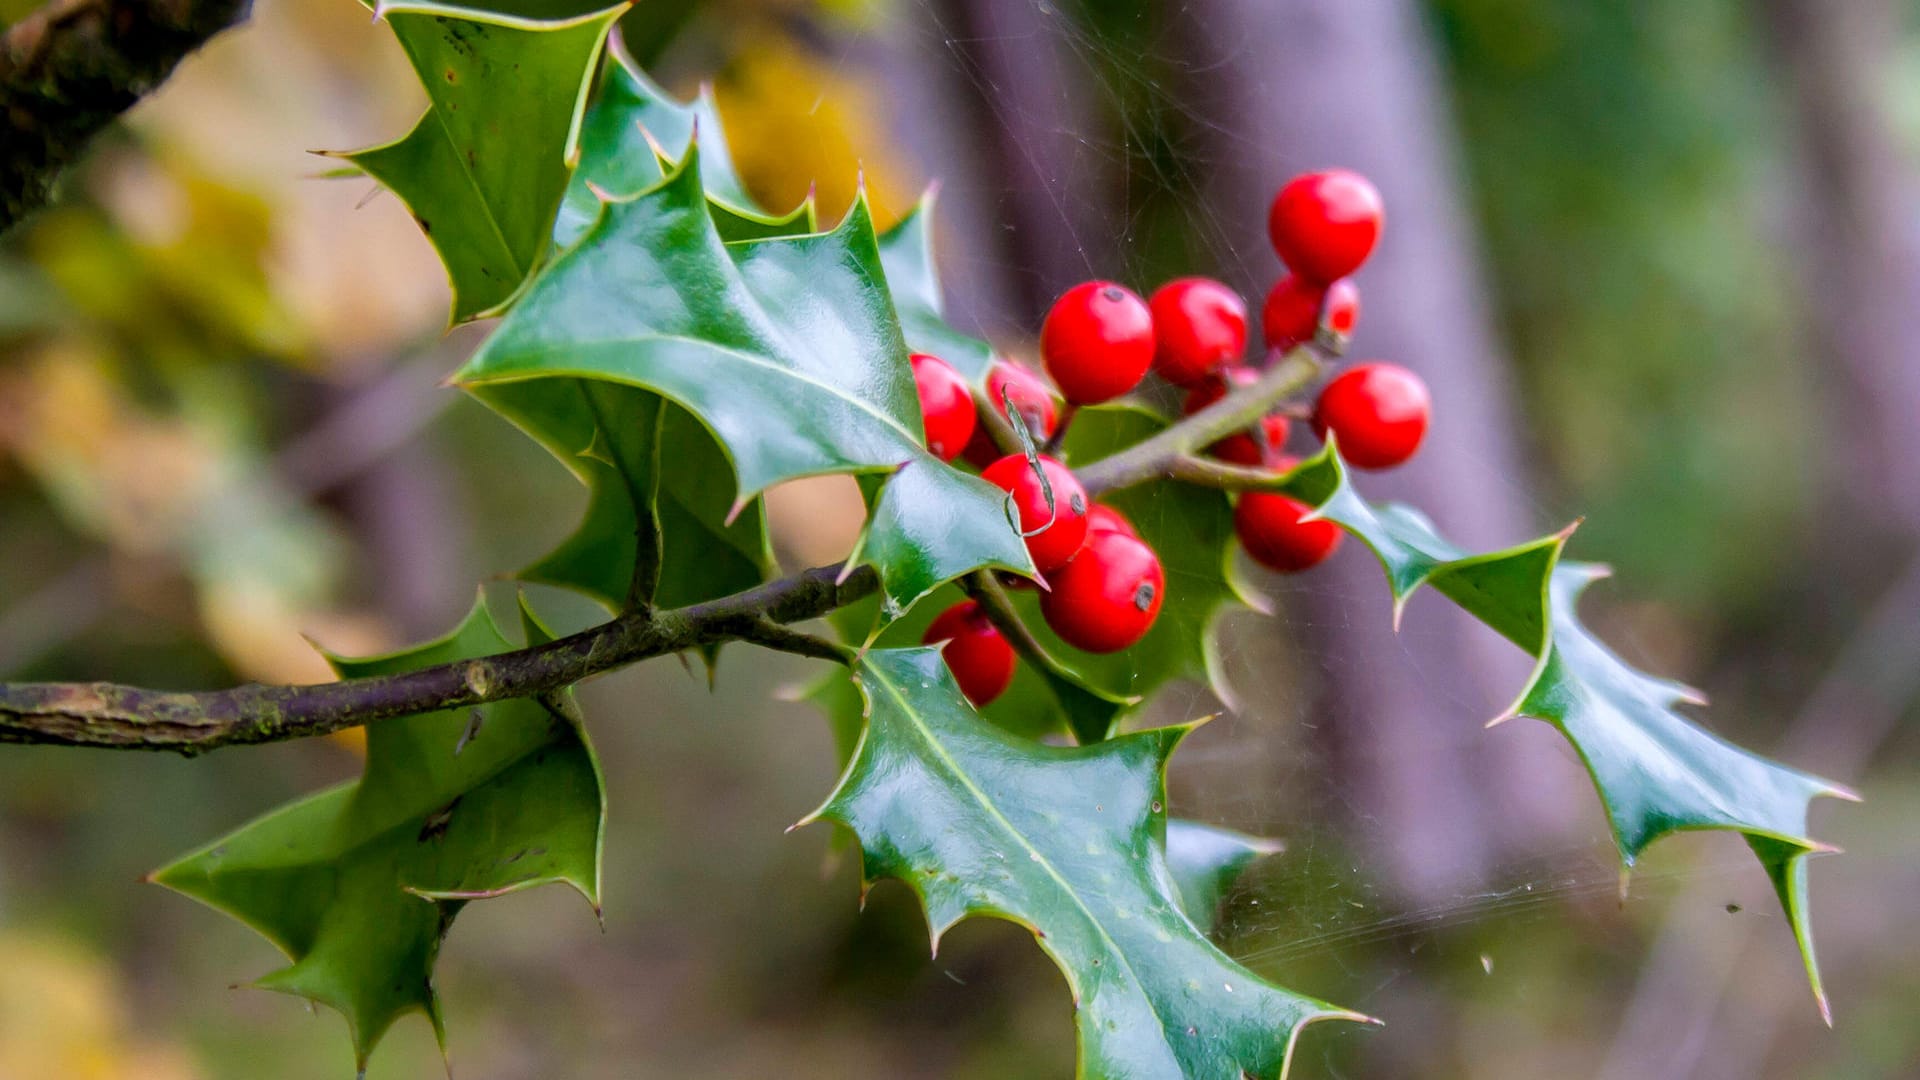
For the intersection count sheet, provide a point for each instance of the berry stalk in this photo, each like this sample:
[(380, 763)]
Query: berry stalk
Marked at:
[(1155, 458)]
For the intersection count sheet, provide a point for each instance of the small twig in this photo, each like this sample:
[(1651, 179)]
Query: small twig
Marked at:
[(1153, 458), (994, 602), (771, 635), (1206, 472)]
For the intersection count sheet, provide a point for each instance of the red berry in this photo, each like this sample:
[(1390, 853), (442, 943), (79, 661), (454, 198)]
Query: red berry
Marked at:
[(1256, 446), (1108, 596), (1296, 309), (946, 405), (976, 653), (1342, 312), (1198, 325), (1103, 518), (1053, 536), (1379, 413), (1259, 446), (1097, 342), (1032, 397), (1324, 224), (1270, 528)]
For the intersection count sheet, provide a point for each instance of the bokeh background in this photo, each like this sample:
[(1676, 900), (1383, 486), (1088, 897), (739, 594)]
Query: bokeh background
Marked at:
[(1660, 262)]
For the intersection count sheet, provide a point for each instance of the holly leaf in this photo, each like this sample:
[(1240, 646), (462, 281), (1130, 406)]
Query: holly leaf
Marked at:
[(787, 349), (359, 884), (906, 250), (1656, 771), (643, 459), (1205, 861), (485, 168), (1068, 842), (630, 121)]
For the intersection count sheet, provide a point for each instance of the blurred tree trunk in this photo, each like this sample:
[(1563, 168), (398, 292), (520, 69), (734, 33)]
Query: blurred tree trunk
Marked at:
[(1294, 85), (1860, 238), (1035, 185)]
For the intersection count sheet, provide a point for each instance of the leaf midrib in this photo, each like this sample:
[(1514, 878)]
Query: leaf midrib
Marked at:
[(438, 111), (986, 804)]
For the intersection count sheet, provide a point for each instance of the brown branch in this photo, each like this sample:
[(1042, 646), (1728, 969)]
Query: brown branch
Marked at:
[(67, 70), (1158, 457), (132, 718), (113, 716)]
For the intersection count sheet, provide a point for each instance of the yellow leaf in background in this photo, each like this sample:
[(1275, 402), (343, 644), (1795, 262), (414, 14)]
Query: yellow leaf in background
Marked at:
[(794, 123), (63, 1015), (115, 472), (346, 263)]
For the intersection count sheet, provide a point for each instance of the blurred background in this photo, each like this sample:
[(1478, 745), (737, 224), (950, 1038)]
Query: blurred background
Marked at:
[(1660, 263)]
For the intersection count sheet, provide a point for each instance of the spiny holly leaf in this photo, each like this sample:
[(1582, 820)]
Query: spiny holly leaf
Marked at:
[(630, 120), (1205, 861), (787, 349), (1036, 704), (1068, 842), (485, 168), (359, 884), (1657, 772), (639, 455), (907, 252)]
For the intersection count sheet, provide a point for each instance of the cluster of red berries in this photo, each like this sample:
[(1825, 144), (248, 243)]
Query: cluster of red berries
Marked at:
[(1104, 583)]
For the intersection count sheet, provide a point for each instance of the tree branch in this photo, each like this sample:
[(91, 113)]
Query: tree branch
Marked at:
[(69, 69), (114, 716), (131, 718), (1153, 458)]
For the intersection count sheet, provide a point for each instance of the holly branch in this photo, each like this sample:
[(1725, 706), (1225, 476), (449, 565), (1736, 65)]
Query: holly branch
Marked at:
[(120, 717)]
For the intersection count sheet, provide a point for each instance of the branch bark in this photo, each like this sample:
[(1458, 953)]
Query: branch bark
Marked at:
[(69, 69), (113, 716)]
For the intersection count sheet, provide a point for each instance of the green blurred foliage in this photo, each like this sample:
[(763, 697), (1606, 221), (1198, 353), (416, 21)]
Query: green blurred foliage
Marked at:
[(1625, 169)]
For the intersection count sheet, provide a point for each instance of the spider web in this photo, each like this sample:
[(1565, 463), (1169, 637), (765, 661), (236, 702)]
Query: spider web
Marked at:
[(1068, 150)]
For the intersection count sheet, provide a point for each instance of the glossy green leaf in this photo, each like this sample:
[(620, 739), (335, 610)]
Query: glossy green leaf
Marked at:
[(906, 250), (1205, 861), (359, 884), (787, 349), (1656, 771), (485, 168), (629, 123), (1068, 842), (634, 449)]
